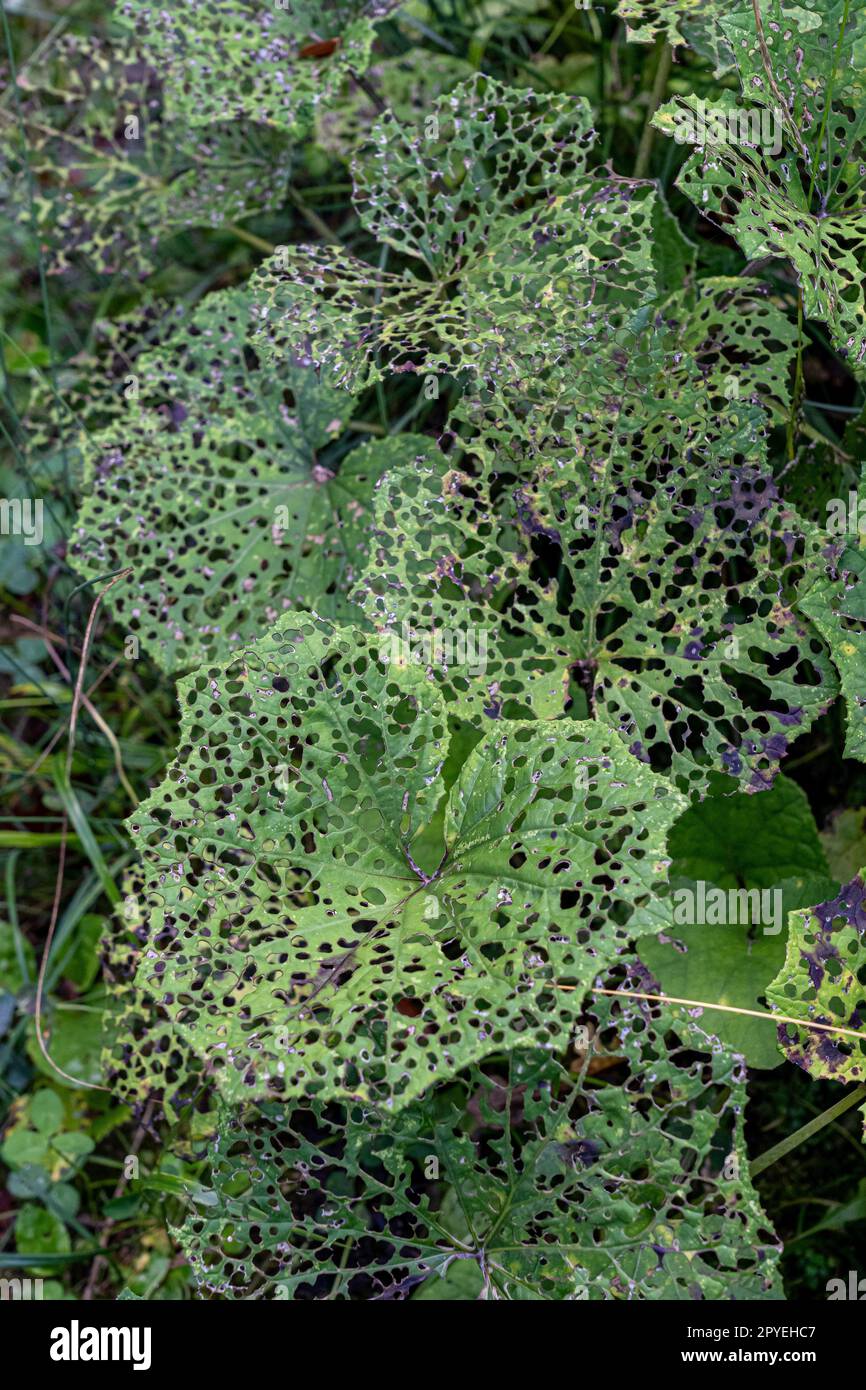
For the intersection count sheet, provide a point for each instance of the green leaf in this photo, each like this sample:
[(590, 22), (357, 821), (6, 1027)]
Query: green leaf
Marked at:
[(34, 1181), (768, 842), (73, 1145), (671, 604), (74, 1044), (844, 843), (296, 941), (732, 965), (522, 1181), (235, 515), (783, 174), (752, 842), (63, 1200), (264, 63), (39, 1232), (24, 1146), (115, 172), (82, 967), (823, 980), (497, 234), (46, 1112)]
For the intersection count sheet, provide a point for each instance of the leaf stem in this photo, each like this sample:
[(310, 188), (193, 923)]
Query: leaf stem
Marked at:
[(729, 1009), (249, 237), (663, 72), (806, 1132)]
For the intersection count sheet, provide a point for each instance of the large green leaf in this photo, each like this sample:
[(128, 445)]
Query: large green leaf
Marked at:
[(835, 604), (307, 936), (233, 515), (246, 61), (497, 232), (142, 1056), (670, 601), (768, 843), (521, 1181), (793, 187), (671, 376), (114, 175), (823, 980), (756, 842)]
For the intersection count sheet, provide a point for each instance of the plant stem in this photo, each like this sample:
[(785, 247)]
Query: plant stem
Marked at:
[(663, 72), (800, 1136), (250, 238), (317, 223)]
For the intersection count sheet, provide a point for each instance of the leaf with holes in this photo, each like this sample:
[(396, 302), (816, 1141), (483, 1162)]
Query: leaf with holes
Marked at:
[(675, 377), (115, 175), (668, 618), (237, 512), (520, 1181), (496, 233), (240, 60), (408, 84), (784, 173), (142, 1058), (693, 22), (823, 981), (306, 936)]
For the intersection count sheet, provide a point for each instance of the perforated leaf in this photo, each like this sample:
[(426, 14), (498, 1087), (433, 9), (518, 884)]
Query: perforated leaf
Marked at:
[(669, 602), (407, 84), (669, 385), (87, 393), (693, 22), (671, 374), (546, 1186), (248, 60), (495, 237), (142, 1056), (207, 369), (835, 604), (823, 981), (114, 175), (308, 935), (234, 514), (789, 183)]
